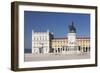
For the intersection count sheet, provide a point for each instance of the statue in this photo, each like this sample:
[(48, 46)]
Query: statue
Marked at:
[(72, 28)]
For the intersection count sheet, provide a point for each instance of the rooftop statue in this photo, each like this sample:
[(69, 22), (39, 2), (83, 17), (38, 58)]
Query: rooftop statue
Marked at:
[(72, 28)]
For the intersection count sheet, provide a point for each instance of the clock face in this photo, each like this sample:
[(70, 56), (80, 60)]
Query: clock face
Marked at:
[(72, 39), (71, 42)]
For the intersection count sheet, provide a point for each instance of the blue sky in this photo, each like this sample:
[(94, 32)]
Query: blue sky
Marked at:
[(54, 22)]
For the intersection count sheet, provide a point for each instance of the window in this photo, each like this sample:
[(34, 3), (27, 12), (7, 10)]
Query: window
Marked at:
[(34, 38), (40, 37)]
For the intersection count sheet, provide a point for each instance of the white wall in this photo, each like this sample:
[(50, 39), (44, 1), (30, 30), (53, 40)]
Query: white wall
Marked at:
[(5, 40)]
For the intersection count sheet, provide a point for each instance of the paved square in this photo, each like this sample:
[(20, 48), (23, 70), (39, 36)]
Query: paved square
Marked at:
[(48, 57)]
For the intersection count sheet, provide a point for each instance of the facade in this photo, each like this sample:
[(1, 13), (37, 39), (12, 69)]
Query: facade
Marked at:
[(84, 44), (41, 42), (60, 45), (72, 43), (44, 42)]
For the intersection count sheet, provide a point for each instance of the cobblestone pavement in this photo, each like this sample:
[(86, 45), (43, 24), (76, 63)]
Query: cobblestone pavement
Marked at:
[(46, 57)]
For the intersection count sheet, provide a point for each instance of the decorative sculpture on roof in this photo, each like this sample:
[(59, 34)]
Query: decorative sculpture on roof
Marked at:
[(72, 28)]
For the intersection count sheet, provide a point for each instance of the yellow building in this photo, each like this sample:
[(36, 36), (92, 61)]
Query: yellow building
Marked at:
[(58, 44), (84, 43), (72, 44)]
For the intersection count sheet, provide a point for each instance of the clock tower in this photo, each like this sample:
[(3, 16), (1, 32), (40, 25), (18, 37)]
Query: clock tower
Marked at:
[(72, 45)]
